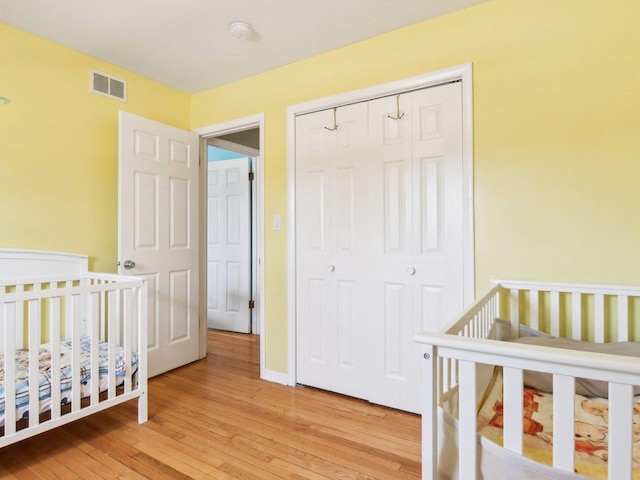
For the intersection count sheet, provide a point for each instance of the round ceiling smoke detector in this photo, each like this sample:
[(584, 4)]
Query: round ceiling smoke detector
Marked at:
[(241, 30)]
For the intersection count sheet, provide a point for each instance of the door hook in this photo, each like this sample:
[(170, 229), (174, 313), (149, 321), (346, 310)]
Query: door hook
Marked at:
[(335, 123), (398, 114)]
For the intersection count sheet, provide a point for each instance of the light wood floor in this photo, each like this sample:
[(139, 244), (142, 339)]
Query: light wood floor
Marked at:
[(216, 419)]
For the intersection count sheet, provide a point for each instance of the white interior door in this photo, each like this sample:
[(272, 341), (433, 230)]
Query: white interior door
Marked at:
[(158, 232), (378, 241), (228, 245)]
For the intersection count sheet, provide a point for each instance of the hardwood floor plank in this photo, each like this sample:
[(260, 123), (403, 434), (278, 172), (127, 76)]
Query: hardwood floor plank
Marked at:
[(216, 419)]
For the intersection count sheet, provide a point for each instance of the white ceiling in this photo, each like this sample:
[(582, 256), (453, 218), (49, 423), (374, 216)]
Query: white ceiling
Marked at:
[(186, 43)]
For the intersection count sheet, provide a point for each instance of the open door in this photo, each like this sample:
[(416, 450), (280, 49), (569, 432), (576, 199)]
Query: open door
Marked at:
[(229, 246), (158, 232)]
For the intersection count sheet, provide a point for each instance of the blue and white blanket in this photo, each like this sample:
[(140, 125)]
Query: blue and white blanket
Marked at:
[(22, 374)]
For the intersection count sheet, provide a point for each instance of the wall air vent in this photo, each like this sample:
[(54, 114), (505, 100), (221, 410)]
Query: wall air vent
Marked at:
[(108, 86)]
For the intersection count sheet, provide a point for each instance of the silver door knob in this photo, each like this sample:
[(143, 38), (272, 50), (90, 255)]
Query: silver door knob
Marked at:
[(129, 264), (331, 268), (411, 271)]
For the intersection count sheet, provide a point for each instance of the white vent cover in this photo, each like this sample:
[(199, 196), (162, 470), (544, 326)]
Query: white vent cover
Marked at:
[(108, 86)]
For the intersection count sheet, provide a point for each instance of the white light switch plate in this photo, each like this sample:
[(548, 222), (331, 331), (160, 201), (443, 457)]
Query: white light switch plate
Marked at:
[(276, 222)]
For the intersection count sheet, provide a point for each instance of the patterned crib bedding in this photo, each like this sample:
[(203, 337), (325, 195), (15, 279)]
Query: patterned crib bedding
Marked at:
[(591, 438), (45, 383)]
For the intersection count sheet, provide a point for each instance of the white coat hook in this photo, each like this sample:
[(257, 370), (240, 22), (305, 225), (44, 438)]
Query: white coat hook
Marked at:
[(398, 115), (335, 123)]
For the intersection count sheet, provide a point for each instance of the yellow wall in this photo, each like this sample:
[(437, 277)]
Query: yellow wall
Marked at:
[(58, 146), (556, 126), (556, 102)]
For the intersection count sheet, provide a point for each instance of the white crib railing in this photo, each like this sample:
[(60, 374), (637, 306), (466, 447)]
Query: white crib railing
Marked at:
[(451, 362), (43, 310)]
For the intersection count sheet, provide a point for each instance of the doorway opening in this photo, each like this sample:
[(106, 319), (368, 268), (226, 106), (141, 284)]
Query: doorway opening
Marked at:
[(231, 229), (232, 259)]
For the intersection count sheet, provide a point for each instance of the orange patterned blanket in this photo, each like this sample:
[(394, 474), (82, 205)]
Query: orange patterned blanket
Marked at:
[(591, 431)]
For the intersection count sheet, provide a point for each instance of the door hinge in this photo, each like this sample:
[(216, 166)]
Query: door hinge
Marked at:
[(251, 176), (252, 304)]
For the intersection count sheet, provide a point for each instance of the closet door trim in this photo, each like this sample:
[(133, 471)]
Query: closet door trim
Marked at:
[(461, 72)]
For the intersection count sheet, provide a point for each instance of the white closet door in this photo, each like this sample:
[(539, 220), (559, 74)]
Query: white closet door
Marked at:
[(329, 257), (379, 241), (417, 240)]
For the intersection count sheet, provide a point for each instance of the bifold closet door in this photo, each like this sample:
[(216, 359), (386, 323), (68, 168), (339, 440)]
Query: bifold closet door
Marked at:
[(330, 263), (378, 240), (416, 251)]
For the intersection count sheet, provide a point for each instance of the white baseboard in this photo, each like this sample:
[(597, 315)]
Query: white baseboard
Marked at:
[(276, 377)]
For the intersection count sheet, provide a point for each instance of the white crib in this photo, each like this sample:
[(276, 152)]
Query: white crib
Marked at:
[(459, 363), (61, 329)]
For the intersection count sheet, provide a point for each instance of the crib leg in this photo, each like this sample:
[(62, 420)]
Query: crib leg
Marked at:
[(143, 407), (429, 414), (468, 453)]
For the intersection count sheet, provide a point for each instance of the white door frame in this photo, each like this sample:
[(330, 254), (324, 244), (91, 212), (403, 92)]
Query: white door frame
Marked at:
[(460, 72), (206, 133)]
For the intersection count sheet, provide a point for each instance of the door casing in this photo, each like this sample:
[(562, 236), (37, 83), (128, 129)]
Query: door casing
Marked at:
[(462, 73), (206, 134)]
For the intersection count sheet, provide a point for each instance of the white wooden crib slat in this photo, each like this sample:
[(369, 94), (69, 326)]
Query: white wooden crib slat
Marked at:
[(120, 302), (576, 316), (468, 453), (54, 329), (563, 422), (623, 318), (93, 313), (598, 315), (19, 327), (128, 316), (12, 314), (33, 322), (112, 318), (514, 312), (513, 409), (103, 312), (75, 311), (620, 431), (534, 306), (554, 304), (494, 312)]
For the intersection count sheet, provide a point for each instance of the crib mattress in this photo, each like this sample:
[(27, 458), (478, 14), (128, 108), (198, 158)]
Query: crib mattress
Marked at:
[(591, 415), (45, 383)]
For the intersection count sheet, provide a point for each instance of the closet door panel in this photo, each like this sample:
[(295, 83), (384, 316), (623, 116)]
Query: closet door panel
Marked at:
[(394, 206), (345, 211), (314, 250), (427, 257), (431, 206), (438, 247), (316, 211), (391, 227), (328, 163), (396, 325)]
